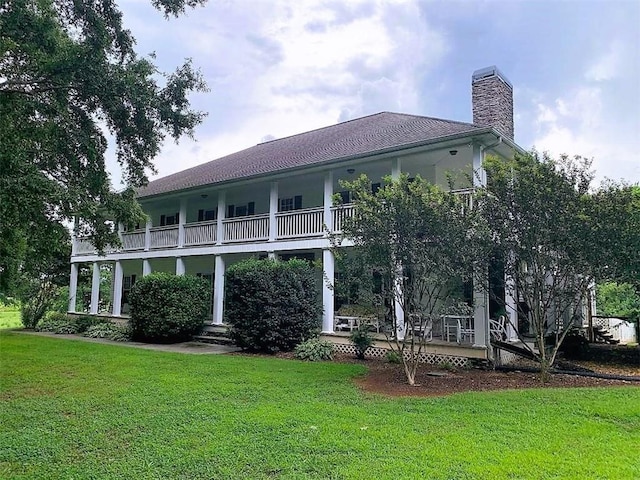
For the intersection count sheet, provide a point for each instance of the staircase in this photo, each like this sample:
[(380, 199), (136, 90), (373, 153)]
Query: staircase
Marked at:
[(602, 335), (217, 334)]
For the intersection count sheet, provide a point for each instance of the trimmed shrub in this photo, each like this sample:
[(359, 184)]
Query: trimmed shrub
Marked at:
[(57, 322), (272, 306), (315, 350), (111, 331), (168, 308)]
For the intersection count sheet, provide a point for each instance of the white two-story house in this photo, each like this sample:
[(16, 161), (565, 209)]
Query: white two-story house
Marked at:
[(275, 200)]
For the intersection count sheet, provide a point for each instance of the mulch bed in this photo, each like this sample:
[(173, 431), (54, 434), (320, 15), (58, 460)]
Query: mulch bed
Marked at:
[(431, 381)]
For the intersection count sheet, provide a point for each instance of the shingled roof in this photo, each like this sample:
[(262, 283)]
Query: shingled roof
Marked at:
[(359, 137)]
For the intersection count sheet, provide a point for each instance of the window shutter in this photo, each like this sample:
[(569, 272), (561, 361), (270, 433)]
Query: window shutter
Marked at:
[(133, 280), (375, 187), (251, 208), (279, 204), (177, 217), (162, 220), (297, 202), (200, 215), (230, 211)]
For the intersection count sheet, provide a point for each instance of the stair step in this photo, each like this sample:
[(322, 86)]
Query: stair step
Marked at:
[(218, 340)]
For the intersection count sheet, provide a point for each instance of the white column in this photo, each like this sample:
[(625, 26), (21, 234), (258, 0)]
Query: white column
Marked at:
[(273, 209), (218, 291), (396, 168), (180, 268), (328, 265), (479, 174), (222, 207), (147, 234), (511, 307), (398, 306), (73, 287), (480, 315), (146, 267), (271, 255), (117, 288), (183, 220), (328, 202), (95, 288), (74, 237)]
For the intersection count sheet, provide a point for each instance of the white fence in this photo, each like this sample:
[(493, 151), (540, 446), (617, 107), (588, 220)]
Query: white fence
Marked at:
[(200, 233), (164, 237), (301, 223), (246, 228)]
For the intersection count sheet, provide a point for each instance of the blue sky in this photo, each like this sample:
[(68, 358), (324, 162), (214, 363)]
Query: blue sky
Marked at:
[(280, 67)]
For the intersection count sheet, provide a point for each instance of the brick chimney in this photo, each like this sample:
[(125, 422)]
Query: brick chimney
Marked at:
[(492, 100)]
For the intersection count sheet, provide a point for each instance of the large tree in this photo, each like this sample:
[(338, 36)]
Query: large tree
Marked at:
[(421, 243), (555, 235), (69, 79)]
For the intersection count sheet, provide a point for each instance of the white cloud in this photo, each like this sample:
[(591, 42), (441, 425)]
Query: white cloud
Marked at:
[(285, 67), (608, 65), (579, 123)]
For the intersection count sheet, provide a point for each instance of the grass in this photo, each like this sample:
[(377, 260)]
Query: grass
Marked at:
[(10, 317), (71, 409)]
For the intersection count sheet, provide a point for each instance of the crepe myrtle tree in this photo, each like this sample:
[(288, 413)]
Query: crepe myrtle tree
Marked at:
[(418, 242), (70, 79), (552, 232)]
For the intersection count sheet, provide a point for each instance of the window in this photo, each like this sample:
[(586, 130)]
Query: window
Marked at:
[(241, 210), (166, 220), (345, 196), (207, 215), (288, 204), (375, 187)]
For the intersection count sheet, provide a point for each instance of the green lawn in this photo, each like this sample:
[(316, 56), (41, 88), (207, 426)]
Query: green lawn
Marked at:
[(71, 409), (10, 317)]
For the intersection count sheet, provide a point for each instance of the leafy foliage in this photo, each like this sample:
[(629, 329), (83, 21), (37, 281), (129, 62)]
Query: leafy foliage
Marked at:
[(618, 300), (362, 340), (315, 350), (168, 308), (69, 77), (271, 306), (419, 241), (57, 322), (108, 330), (38, 299), (554, 236)]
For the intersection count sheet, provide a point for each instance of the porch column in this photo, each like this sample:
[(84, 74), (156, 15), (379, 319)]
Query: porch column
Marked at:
[(328, 265), (271, 255), (180, 269), (181, 221), (222, 207), (147, 235), (95, 288), (479, 174), (481, 315), (73, 287), (120, 231), (218, 290), (273, 209), (398, 306), (396, 168), (511, 308), (117, 289), (328, 202), (146, 267)]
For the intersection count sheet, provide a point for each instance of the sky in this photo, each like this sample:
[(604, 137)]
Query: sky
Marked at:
[(280, 67)]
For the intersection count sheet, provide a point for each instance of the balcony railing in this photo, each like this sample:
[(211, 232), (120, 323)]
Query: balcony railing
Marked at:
[(308, 223), (301, 223), (164, 237), (246, 229), (200, 233), (133, 240)]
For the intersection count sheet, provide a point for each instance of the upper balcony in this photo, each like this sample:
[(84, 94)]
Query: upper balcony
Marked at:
[(290, 209), (290, 225)]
